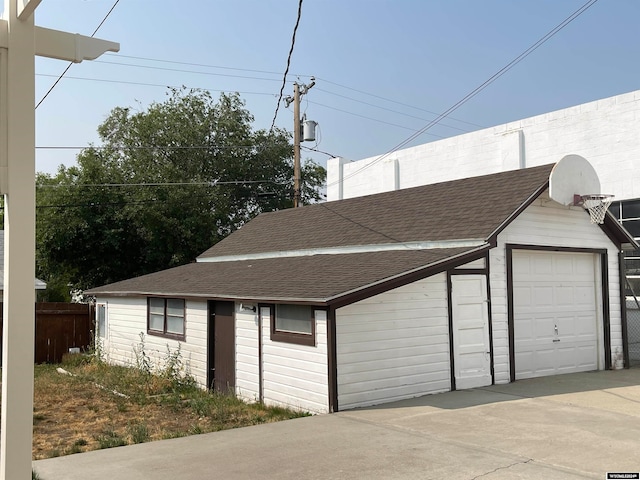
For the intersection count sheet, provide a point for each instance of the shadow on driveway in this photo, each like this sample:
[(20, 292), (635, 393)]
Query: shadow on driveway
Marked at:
[(558, 385)]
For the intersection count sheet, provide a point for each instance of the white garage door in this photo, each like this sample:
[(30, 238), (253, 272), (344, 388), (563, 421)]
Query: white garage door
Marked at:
[(555, 319)]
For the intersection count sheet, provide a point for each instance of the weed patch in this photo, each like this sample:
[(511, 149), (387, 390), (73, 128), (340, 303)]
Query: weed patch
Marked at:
[(139, 432), (110, 439), (87, 411)]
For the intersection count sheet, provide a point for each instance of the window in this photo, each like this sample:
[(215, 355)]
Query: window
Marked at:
[(166, 317), (627, 212), (293, 324), (101, 320)]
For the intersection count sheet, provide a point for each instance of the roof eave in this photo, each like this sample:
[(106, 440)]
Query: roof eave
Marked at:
[(617, 233), (203, 296), (370, 290), (338, 300)]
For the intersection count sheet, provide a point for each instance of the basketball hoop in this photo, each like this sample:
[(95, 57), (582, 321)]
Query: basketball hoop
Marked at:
[(597, 204)]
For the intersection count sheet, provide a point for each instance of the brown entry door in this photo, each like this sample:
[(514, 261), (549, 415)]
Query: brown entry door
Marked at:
[(221, 355)]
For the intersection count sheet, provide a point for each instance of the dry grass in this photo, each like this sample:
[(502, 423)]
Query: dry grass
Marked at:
[(72, 414)]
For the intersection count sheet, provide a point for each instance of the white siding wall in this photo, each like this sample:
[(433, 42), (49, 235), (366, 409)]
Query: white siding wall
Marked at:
[(604, 132), (394, 345), (247, 375), (296, 376), (127, 318), (293, 375), (480, 263), (547, 223)]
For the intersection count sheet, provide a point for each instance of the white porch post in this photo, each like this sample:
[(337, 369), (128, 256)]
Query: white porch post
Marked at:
[(20, 41), (19, 249)]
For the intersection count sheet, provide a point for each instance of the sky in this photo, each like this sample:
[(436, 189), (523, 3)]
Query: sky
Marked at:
[(384, 68)]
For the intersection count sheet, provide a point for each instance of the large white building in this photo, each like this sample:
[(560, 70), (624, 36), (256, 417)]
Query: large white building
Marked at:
[(605, 132)]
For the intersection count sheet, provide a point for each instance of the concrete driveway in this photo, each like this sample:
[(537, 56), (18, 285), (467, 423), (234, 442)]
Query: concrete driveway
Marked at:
[(564, 427)]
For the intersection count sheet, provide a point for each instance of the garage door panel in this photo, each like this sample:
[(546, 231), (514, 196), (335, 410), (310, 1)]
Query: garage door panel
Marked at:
[(535, 327), (564, 295), (525, 362), (564, 265), (535, 364), (555, 320), (584, 266), (584, 295), (541, 266), (576, 356), (523, 296), (542, 296)]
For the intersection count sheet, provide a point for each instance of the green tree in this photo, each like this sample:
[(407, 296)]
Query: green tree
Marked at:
[(167, 183)]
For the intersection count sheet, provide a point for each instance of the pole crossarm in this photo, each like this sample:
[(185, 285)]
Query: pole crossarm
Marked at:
[(72, 47)]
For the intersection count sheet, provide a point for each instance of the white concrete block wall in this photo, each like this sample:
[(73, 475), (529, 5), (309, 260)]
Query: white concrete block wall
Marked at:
[(127, 318), (394, 345), (605, 132), (296, 376), (547, 223)]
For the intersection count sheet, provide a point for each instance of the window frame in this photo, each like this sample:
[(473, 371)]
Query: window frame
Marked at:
[(308, 339), (164, 333), (101, 333)]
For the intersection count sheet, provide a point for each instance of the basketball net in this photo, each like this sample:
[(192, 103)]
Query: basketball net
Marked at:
[(597, 205)]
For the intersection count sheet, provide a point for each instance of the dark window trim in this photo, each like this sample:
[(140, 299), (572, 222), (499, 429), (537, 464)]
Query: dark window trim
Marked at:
[(623, 310), (332, 360), (164, 333), (308, 339)]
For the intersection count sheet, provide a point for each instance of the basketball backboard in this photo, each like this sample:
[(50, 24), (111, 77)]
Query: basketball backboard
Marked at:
[(572, 175)]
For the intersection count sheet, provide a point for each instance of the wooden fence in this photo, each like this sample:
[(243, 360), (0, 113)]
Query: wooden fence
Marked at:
[(59, 327)]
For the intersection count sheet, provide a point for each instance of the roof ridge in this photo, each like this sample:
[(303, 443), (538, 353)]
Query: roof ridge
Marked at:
[(349, 249)]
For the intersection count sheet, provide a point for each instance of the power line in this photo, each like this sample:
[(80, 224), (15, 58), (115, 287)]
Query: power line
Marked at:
[(370, 118), (162, 184), (151, 67), (397, 102), (286, 71), (248, 93), (125, 82), (204, 65), (105, 18), (148, 147), (319, 151), (98, 204), (269, 72), (476, 90), (388, 109), (71, 63)]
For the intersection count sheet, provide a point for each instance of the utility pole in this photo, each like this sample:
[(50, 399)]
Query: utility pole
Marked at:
[(298, 92), (20, 42)]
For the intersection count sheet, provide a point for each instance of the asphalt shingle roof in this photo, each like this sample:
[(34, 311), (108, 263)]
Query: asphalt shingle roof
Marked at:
[(317, 278), (459, 209), (472, 208)]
